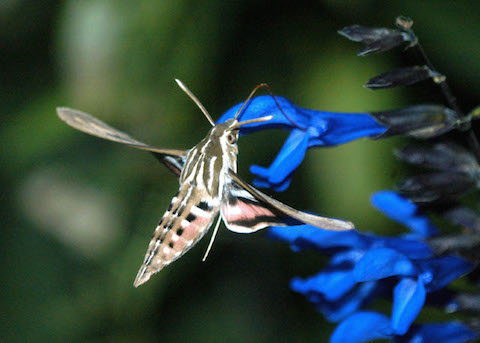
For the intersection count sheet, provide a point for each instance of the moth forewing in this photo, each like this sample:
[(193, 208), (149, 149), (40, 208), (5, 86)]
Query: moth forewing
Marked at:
[(85, 122)]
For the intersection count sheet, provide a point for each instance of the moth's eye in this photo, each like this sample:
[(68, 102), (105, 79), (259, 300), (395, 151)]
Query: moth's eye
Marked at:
[(232, 138)]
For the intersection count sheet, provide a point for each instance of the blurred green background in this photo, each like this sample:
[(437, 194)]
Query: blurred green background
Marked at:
[(78, 212)]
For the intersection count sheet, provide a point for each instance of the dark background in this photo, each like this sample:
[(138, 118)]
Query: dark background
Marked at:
[(78, 213)]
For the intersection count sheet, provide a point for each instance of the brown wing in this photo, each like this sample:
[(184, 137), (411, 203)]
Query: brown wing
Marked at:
[(173, 159)]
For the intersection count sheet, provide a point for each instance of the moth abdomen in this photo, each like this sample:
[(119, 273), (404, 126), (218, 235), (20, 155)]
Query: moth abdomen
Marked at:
[(180, 228)]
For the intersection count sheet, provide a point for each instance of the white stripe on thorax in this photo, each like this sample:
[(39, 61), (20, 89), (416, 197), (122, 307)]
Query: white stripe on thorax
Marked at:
[(201, 170), (191, 159), (211, 175)]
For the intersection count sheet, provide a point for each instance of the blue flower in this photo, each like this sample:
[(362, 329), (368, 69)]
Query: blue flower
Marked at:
[(362, 327), (417, 278), (365, 266), (404, 212), (414, 267), (337, 291), (309, 128), (368, 326)]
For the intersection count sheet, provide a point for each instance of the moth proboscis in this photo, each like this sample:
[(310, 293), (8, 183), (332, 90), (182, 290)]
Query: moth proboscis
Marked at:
[(209, 185)]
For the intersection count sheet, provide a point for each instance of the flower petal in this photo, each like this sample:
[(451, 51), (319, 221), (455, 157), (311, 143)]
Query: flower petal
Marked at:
[(339, 128), (331, 283), (362, 327), (381, 263), (263, 183), (403, 211), (265, 105), (287, 160), (452, 332), (331, 128), (413, 249), (308, 237), (350, 303), (439, 272), (393, 205), (408, 299)]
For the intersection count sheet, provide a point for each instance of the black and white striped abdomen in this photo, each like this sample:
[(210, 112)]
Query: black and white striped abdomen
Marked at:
[(186, 220)]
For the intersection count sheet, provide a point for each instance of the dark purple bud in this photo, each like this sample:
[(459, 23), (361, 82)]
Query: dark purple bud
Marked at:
[(465, 217), (377, 39), (400, 77), (421, 121), (381, 45), (455, 243), (438, 187), (443, 156), (468, 302), (365, 34), (474, 324)]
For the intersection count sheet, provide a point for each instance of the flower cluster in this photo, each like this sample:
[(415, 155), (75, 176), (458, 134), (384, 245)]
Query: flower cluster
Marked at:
[(415, 268), (365, 266)]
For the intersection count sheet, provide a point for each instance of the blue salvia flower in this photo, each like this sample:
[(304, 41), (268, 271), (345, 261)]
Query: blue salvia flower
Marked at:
[(369, 326), (365, 266), (312, 128), (415, 267), (404, 212), (309, 128)]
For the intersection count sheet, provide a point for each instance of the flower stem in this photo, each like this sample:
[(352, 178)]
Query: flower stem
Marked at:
[(406, 25)]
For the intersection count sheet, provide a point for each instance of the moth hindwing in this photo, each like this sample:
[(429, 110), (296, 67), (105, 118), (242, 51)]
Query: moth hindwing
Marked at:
[(209, 187)]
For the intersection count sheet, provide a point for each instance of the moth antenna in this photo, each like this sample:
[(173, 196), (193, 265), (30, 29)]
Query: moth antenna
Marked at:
[(249, 98), (213, 238), (265, 85), (196, 101)]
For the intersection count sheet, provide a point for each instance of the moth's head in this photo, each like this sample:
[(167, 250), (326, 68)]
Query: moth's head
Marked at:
[(228, 131)]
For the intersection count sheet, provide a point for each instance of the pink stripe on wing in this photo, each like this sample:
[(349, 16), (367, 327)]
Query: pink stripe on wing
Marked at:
[(243, 211)]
